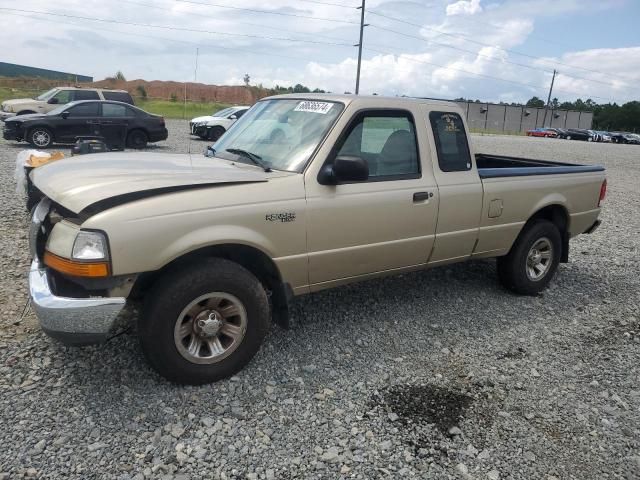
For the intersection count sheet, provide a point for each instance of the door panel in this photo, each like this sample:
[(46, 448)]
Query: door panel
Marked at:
[(357, 229), (83, 120), (459, 186), (363, 228)]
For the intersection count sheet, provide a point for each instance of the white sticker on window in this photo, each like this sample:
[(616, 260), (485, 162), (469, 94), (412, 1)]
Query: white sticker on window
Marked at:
[(314, 107)]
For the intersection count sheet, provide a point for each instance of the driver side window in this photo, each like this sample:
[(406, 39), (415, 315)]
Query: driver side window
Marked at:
[(387, 141), (63, 96)]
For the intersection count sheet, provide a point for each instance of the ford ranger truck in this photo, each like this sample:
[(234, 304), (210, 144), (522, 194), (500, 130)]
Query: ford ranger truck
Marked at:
[(304, 193)]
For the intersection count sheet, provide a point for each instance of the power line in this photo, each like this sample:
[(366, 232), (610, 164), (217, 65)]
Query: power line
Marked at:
[(255, 10), (168, 27), (489, 57), (327, 3), (200, 15), (395, 19), (537, 87), (165, 39)]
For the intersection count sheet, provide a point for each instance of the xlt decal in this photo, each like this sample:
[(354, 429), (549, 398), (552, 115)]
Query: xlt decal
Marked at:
[(280, 217)]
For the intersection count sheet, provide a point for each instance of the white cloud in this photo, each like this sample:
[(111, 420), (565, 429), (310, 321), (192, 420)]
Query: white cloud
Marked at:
[(464, 7), (409, 66)]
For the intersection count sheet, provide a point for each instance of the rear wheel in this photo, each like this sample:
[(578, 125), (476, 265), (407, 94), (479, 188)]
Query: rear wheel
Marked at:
[(205, 322), (533, 260), (215, 133), (137, 139), (40, 137)]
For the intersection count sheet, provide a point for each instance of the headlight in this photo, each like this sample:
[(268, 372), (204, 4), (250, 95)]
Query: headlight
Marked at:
[(7, 108), (90, 246)]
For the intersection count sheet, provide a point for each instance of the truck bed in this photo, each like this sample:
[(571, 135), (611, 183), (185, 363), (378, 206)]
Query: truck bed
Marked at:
[(493, 166)]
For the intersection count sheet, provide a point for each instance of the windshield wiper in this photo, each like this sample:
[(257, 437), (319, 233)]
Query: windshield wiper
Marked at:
[(256, 159)]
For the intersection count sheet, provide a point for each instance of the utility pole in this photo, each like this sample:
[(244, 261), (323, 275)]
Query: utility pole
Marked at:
[(549, 99), (362, 25), (195, 72)]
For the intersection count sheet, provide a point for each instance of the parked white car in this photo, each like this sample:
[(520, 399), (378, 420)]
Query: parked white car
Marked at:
[(212, 127)]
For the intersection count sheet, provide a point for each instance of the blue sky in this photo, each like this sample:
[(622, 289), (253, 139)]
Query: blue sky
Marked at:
[(487, 49)]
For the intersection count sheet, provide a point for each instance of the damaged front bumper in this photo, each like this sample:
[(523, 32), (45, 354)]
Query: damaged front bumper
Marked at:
[(72, 321)]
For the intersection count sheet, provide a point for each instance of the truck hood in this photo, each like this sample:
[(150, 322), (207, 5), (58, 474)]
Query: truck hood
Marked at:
[(84, 181), (206, 118), (18, 101)]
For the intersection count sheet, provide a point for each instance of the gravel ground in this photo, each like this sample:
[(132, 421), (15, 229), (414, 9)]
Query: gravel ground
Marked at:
[(440, 374)]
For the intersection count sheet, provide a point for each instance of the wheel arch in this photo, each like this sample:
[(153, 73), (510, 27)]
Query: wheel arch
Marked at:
[(29, 128), (253, 259), (557, 214), (25, 112)]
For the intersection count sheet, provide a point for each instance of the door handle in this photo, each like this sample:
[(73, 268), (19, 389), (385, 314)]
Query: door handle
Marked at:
[(422, 196)]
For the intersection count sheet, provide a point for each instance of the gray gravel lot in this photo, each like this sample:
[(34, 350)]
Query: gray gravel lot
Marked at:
[(440, 374)]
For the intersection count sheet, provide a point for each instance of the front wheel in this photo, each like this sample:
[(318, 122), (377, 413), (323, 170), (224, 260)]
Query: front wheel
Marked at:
[(533, 259), (40, 137), (215, 133), (205, 322)]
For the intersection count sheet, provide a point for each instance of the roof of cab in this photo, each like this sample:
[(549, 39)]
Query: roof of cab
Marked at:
[(364, 100)]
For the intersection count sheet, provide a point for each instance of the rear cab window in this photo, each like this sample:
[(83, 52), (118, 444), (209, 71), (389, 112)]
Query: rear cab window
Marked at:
[(85, 95), (451, 142), (118, 97)]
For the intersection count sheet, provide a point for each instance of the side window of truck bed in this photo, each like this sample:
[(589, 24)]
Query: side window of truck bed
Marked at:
[(387, 141), (451, 141)]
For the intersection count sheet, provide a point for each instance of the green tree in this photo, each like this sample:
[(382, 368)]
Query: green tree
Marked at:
[(535, 102), (142, 91), (120, 76)]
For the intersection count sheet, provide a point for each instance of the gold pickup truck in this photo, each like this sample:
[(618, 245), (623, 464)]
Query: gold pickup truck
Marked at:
[(305, 192)]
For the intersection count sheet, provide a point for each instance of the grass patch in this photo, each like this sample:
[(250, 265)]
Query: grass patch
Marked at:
[(169, 109), (166, 108)]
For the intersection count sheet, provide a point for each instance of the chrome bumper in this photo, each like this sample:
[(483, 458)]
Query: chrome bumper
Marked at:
[(73, 321)]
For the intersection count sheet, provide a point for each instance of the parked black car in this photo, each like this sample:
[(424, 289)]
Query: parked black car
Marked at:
[(580, 134), (562, 132), (114, 121), (625, 137)]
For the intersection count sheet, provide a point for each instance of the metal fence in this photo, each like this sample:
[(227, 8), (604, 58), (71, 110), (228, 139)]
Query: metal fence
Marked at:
[(492, 117)]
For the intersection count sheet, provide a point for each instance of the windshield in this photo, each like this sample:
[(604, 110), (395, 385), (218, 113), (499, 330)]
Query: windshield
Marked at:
[(47, 95), (283, 133), (223, 113), (61, 108)]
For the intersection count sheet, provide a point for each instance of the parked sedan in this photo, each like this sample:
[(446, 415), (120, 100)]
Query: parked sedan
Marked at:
[(625, 137), (542, 132), (580, 134), (214, 126), (107, 119)]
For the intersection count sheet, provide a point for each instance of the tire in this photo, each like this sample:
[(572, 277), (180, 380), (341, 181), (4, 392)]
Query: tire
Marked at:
[(589, 139), (25, 112), (137, 139), (167, 331), (40, 137), (215, 133), (568, 137), (514, 270)]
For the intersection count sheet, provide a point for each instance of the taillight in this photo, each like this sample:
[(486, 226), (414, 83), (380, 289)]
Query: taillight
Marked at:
[(603, 192), (162, 121)]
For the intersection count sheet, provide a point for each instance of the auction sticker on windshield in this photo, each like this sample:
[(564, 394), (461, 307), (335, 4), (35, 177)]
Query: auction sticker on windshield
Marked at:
[(314, 107)]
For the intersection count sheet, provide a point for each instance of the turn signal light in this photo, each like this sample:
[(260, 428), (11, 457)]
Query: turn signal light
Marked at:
[(603, 192), (74, 268)]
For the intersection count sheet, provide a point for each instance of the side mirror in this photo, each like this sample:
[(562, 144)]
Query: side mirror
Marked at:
[(233, 117), (53, 101), (65, 114), (345, 168)]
